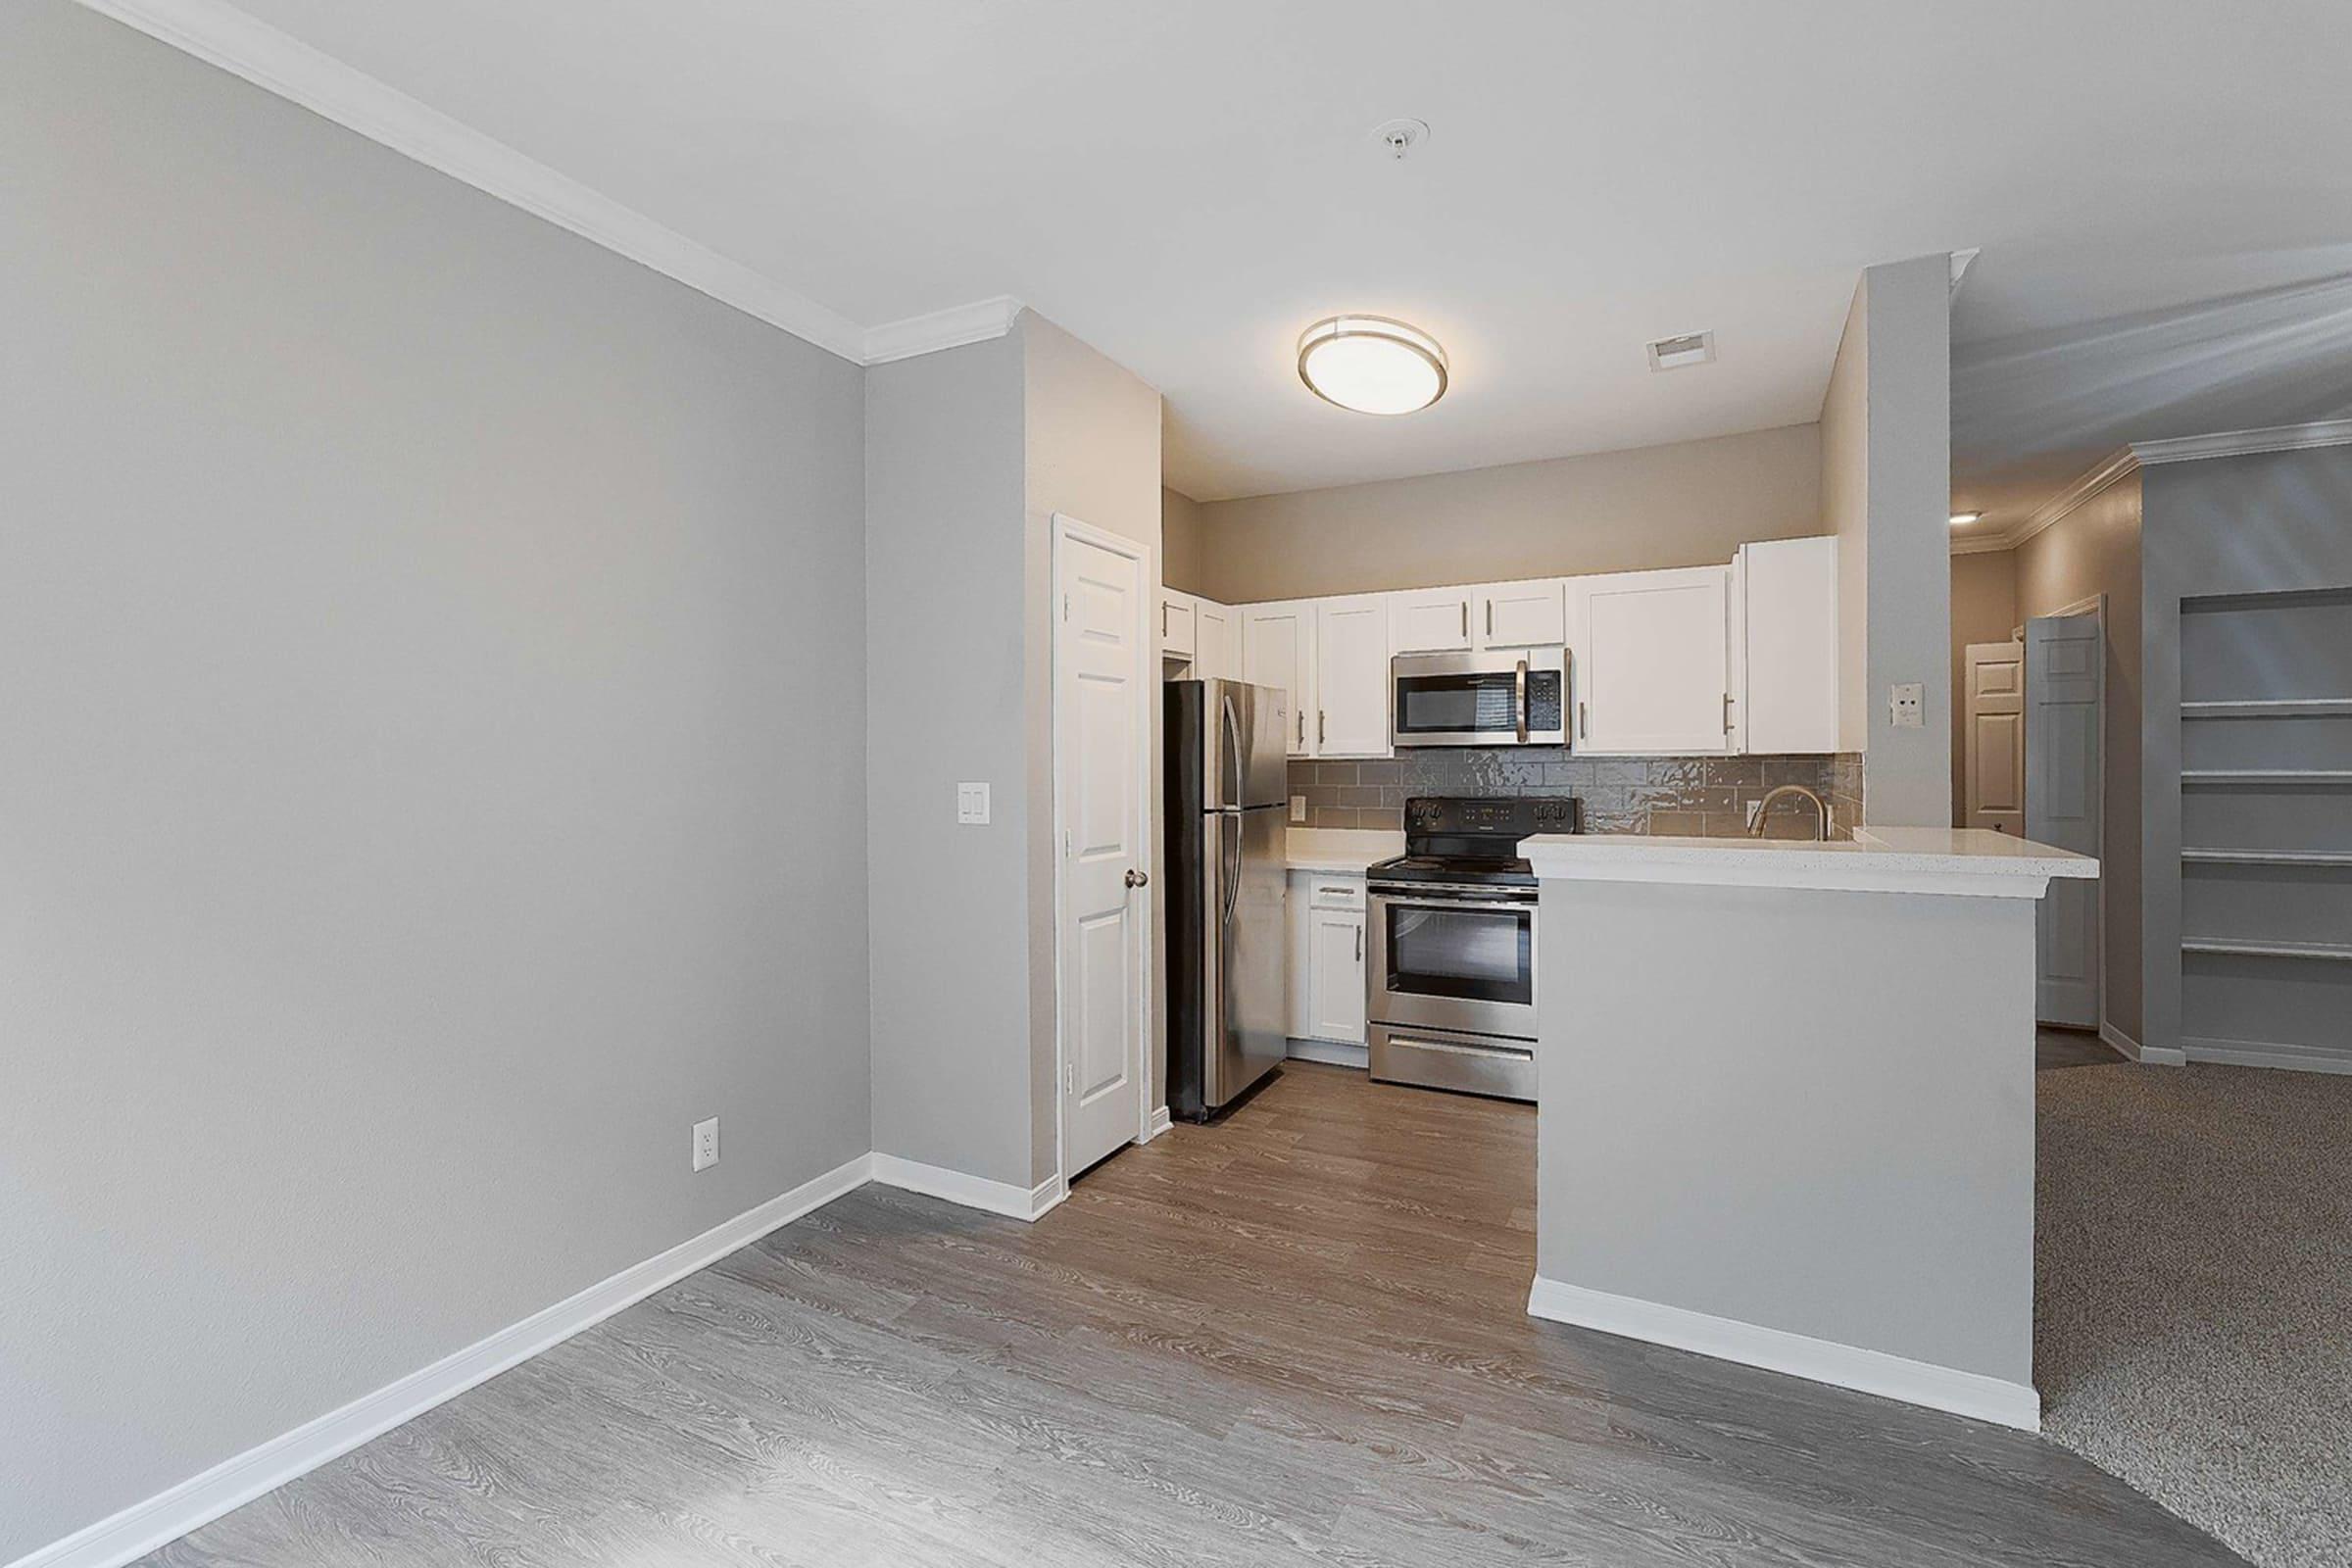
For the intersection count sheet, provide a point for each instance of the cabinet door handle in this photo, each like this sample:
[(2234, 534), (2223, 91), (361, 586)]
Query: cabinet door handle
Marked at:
[(1322, 726), (1727, 713), (1360, 942), (1163, 620), (1489, 618), (1580, 719), (1302, 727), (1465, 620)]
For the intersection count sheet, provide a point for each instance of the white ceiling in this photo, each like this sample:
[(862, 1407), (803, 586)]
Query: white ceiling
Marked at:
[(1188, 184)]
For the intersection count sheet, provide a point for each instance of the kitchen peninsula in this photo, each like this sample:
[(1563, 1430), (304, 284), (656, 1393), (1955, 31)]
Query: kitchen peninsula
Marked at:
[(1786, 1106)]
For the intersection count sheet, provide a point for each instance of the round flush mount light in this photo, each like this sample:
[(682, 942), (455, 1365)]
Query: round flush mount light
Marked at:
[(1371, 365), (1961, 520)]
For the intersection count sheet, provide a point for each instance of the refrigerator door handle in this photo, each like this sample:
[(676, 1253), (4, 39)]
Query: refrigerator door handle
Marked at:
[(1233, 750)]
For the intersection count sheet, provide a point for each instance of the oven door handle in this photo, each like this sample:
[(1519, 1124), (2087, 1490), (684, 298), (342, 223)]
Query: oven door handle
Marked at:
[(1521, 906)]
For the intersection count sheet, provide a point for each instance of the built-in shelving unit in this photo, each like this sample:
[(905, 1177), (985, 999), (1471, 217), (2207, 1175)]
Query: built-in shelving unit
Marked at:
[(2265, 828)]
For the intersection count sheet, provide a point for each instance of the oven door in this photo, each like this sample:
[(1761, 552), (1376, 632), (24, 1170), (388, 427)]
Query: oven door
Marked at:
[(1460, 959), (1478, 699)]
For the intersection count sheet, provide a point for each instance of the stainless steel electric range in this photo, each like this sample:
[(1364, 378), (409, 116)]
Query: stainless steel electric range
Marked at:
[(1451, 974)]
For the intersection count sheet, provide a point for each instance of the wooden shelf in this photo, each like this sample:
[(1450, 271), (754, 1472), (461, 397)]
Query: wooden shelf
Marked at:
[(2267, 856), (2284, 708), (2337, 952), (2318, 778)]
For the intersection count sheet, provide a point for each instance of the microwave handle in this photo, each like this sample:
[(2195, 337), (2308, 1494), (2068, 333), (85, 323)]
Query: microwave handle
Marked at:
[(1519, 699)]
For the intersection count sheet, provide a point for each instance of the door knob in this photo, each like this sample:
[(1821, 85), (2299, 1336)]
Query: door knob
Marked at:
[(1137, 879)]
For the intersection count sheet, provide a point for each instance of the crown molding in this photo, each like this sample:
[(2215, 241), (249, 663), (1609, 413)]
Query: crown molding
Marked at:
[(2241, 443), (221, 35), (950, 329), (1983, 544)]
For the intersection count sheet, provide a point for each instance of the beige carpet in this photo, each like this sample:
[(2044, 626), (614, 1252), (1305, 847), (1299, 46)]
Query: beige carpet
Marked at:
[(2194, 1311)]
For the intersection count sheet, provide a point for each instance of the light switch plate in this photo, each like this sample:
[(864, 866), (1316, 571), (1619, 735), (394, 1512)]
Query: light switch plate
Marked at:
[(1907, 706), (972, 803), (1298, 808)]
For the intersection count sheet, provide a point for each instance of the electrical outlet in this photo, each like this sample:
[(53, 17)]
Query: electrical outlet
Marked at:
[(705, 1144), (1298, 808), (971, 805), (1907, 706)]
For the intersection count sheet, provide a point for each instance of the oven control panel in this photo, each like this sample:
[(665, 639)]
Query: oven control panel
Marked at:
[(1495, 816)]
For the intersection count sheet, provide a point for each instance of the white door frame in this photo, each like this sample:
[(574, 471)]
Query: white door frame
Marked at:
[(1147, 688)]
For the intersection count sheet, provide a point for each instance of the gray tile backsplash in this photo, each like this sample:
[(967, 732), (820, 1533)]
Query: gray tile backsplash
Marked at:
[(1687, 795)]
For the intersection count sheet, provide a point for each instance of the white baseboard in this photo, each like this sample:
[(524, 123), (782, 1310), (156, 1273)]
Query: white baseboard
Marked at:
[(1159, 1123), (973, 1191), (2262, 1053), (2152, 1056), (1335, 1053), (1848, 1366), (169, 1514)]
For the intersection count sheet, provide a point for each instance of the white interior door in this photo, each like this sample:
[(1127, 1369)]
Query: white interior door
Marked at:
[(2065, 700), (1102, 682), (1993, 737)]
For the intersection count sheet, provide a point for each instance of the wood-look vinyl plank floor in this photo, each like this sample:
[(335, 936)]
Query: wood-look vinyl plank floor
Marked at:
[(1298, 1336)]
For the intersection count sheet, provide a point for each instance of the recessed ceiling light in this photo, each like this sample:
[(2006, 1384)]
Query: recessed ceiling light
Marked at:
[(1961, 520), (1371, 365)]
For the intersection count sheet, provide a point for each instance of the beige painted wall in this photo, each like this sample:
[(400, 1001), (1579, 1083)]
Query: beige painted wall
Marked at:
[(1182, 555), (2096, 549), (1688, 503), (1983, 610)]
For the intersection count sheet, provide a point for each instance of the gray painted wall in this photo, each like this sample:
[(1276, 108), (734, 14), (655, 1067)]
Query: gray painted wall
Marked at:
[(2096, 549), (1760, 1148), (2261, 524), (947, 693), (1686, 504), (426, 643), (1886, 459)]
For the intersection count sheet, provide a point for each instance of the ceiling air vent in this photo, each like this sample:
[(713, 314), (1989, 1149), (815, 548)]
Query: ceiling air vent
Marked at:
[(1673, 353)]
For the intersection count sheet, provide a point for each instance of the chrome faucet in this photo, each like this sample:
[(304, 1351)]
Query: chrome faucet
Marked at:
[(1755, 823)]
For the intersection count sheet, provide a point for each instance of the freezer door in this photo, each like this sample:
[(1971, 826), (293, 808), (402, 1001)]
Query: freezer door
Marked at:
[(1250, 964), (1266, 772)]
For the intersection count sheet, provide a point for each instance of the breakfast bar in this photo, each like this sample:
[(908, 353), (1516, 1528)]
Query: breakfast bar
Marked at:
[(1785, 1104)]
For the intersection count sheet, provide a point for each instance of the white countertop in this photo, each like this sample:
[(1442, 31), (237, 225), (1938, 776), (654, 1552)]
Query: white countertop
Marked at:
[(1969, 861), (1340, 848)]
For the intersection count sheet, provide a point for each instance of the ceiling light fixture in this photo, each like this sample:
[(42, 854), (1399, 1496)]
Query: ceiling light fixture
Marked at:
[(1961, 520), (1371, 365)]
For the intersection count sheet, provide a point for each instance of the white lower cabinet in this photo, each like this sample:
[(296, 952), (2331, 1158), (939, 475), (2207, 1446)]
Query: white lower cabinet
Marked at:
[(1327, 957)]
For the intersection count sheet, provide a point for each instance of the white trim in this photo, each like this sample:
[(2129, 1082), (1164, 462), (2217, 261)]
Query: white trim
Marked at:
[(1960, 260), (1330, 1053), (2149, 454), (971, 1192), (1147, 680), (234, 1482), (1847, 1366), (950, 328), (2262, 1053), (1158, 1122), (2241, 443), (278, 63), (2149, 1056)]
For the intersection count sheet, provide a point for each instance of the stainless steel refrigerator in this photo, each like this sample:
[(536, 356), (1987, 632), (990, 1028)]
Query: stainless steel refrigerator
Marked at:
[(1228, 784)]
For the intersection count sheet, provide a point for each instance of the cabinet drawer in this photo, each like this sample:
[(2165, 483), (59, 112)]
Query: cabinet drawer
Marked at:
[(1336, 893)]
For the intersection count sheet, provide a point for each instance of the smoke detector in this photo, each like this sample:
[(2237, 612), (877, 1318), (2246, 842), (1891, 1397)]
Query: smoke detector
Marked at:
[(1401, 137), (1673, 353)]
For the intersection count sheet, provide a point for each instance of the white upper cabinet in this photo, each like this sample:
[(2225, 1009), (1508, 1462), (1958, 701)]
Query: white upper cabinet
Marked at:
[(1216, 641), (1352, 678), (1278, 648), (1479, 615), (1520, 615), (1430, 620), (1650, 662), (1177, 612), (1784, 611)]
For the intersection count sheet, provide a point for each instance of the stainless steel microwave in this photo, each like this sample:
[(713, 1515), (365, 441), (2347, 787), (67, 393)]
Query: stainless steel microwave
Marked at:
[(1513, 698)]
